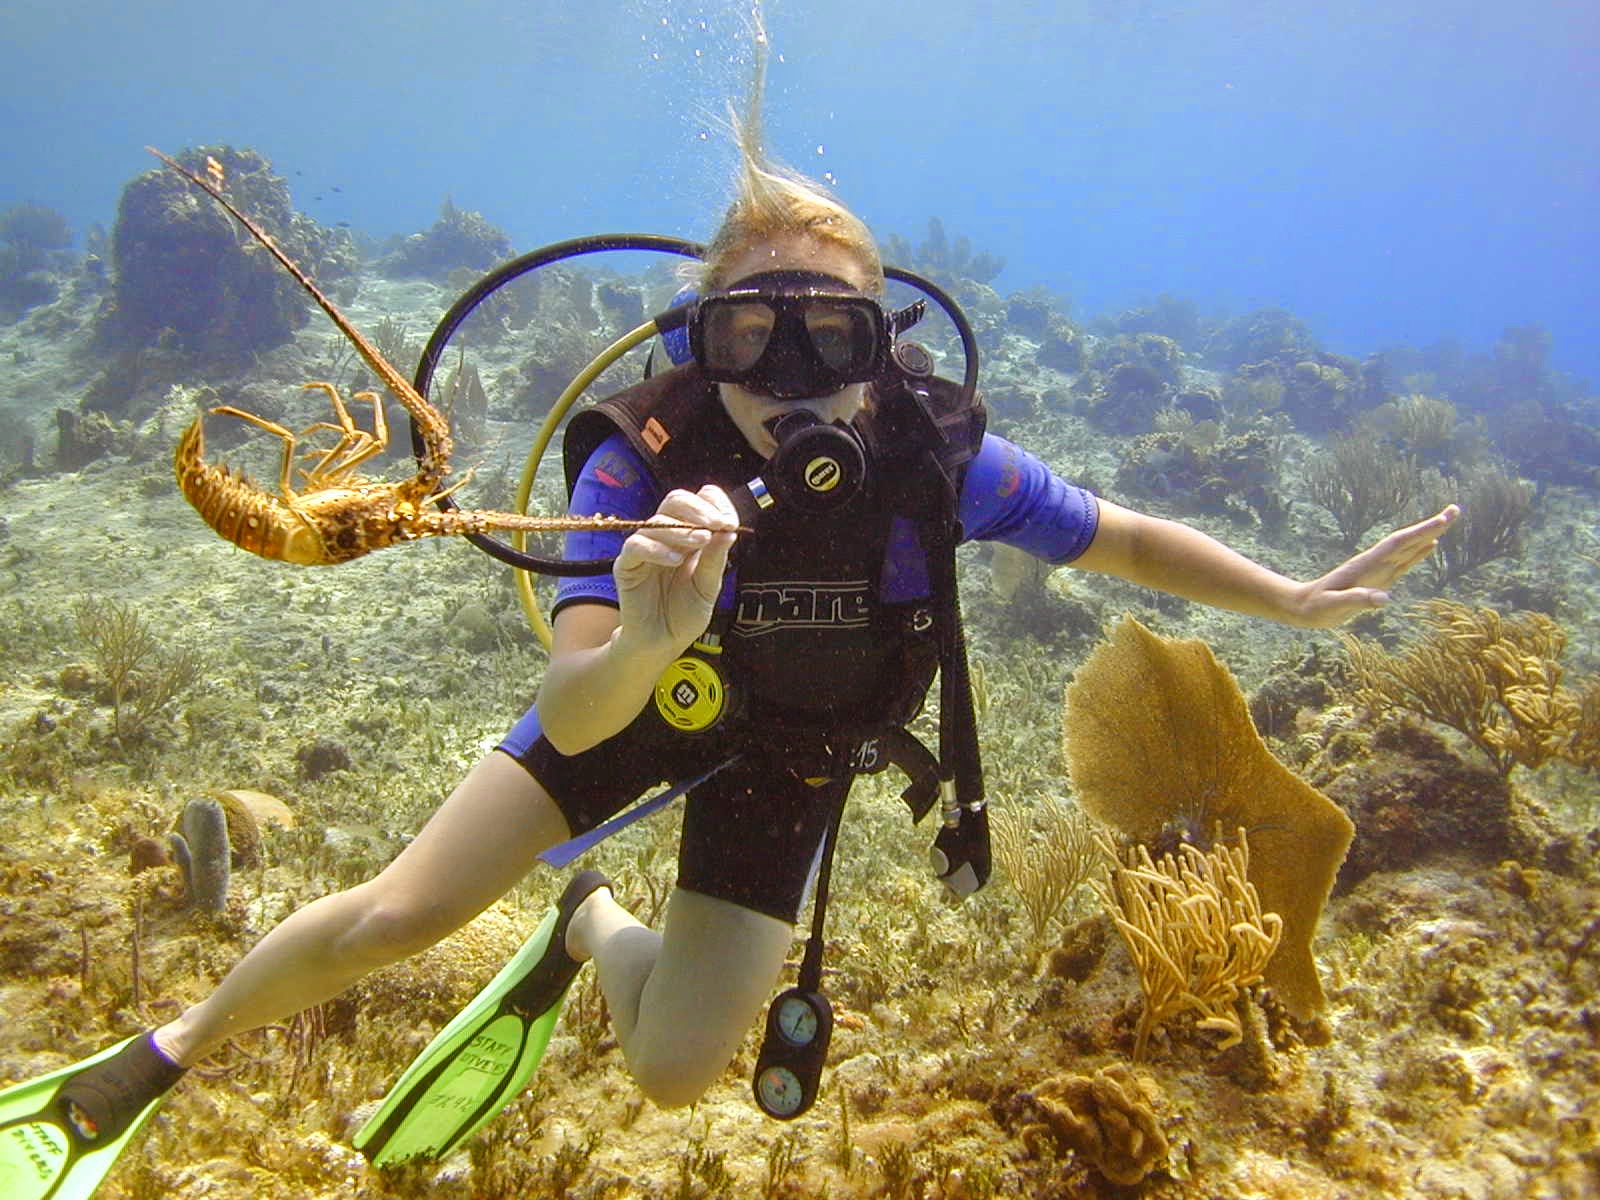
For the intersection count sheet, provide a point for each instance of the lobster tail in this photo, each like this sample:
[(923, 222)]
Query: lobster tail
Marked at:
[(238, 510)]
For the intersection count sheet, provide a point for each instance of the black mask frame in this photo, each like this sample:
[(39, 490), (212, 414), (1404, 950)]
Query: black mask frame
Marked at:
[(790, 334)]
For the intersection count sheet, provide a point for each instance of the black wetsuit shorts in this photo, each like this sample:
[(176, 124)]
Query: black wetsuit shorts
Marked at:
[(752, 832)]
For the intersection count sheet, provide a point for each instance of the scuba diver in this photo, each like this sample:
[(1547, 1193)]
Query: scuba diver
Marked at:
[(760, 672)]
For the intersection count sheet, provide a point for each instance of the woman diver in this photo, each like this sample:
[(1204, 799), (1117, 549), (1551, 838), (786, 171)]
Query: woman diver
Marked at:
[(815, 640)]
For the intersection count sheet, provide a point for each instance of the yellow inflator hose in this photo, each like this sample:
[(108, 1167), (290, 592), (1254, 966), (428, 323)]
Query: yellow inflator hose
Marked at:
[(552, 422)]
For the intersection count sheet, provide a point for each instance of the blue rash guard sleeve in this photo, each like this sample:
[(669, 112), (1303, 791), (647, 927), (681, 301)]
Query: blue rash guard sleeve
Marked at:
[(614, 483), (1010, 496)]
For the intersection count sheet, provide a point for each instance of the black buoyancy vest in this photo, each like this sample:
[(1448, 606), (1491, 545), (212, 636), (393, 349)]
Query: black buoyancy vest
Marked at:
[(811, 644)]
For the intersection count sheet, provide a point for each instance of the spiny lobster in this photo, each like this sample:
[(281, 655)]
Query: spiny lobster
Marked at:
[(338, 515)]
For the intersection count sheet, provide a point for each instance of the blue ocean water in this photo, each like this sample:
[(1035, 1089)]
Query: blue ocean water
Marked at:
[(1392, 174)]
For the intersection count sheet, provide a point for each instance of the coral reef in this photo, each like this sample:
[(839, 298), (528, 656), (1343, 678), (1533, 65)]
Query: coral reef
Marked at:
[(1412, 800), (1108, 1118), (1424, 426), (942, 259), (459, 238), (1254, 337), (1175, 317), (1460, 951), (1132, 377), (1548, 443), (1061, 349), (1157, 735), (1495, 508), (182, 276), (1362, 483), (81, 440), (1195, 467), (30, 237)]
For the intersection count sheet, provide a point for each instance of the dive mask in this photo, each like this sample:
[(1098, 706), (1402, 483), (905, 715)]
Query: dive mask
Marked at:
[(790, 335)]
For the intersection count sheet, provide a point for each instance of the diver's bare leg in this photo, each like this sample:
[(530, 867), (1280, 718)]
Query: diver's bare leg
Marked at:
[(482, 840), (682, 1000)]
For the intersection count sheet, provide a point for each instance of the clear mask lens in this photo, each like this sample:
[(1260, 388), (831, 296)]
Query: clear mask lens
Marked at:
[(791, 341)]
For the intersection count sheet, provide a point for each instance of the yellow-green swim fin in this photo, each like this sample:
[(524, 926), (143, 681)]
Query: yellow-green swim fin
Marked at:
[(61, 1133), (481, 1060)]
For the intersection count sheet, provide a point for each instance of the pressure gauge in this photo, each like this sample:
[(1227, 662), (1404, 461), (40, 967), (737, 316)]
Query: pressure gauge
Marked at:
[(780, 1093), (797, 1018), (789, 1067)]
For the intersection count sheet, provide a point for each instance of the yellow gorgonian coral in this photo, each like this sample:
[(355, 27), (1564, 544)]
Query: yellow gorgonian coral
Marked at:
[(1496, 680), (1195, 930)]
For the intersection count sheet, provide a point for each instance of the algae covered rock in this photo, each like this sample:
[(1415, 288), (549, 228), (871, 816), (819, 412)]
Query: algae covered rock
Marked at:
[(183, 275), (459, 238), (1413, 799)]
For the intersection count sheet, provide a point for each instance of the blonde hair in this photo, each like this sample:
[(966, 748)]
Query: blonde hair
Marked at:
[(771, 200)]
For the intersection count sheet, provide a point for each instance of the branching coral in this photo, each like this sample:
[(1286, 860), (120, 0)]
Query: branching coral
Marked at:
[(1494, 507), (1046, 858), (1195, 930), (140, 676), (1495, 680), (1361, 483), (1424, 424)]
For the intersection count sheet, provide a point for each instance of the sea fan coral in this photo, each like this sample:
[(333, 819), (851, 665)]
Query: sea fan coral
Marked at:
[(1157, 734)]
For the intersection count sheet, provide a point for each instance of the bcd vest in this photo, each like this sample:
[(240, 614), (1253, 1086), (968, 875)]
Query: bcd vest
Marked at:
[(809, 642)]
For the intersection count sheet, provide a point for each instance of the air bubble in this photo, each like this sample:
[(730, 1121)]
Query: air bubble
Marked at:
[(820, 150)]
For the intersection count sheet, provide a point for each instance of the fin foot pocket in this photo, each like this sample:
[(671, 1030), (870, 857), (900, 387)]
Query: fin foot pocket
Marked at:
[(61, 1133), (103, 1100)]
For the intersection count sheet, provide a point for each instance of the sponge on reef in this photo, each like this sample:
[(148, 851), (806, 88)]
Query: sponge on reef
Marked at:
[(1157, 735)]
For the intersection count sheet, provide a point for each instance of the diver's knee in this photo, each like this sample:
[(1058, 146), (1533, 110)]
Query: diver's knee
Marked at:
[(669, 1080), (387, 928)]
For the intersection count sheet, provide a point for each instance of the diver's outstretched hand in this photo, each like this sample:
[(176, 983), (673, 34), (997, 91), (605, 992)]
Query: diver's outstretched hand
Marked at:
[(1362, 583), (668, 578)]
